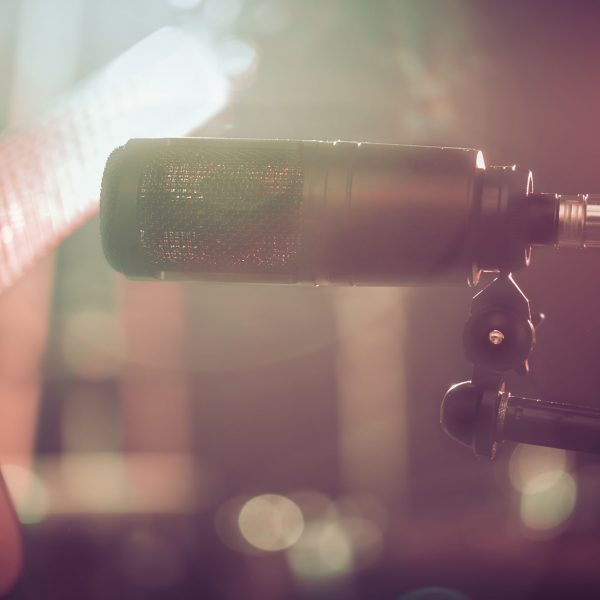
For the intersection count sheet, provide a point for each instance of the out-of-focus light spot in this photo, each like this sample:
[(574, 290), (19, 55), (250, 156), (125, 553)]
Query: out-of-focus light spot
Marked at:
[(236, 56), (548, 500), (226, 525), (166, 85), (27, 493), (271, 17), (323, 552), (177, 80), (528, 462), (184, 4), (92, 345), (6, 233), (338, 537), (434, 593), (271, 522), (314, 505), (365, 537), (222, 12), (363, 519), (97, 481), (115, 483), (151, 560), (89, 420), (480, 160)]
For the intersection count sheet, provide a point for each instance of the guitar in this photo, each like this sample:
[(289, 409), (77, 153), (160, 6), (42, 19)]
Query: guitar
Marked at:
[(50, 172)]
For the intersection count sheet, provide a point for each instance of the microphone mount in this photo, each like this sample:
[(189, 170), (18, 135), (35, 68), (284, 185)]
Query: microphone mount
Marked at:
[(498, 337)]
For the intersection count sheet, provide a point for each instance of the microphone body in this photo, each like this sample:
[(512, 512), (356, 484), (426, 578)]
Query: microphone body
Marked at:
[(481, 418), (552, 424), (286, 211)]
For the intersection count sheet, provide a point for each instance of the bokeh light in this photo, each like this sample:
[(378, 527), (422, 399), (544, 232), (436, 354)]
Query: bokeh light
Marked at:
[(528, 462), (548, 491), (27, 491), (548, 500), (92, 345), (339, 537), (50, 173), (271, 17), (113, 482), (98, 481), (184, 4), (366, 539), (235, 56), (227, 527), (324, 551), (271, 522), (222, 12), (363, 518)]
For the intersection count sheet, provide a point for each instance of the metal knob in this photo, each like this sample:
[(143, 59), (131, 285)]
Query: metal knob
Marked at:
[(578, 221)]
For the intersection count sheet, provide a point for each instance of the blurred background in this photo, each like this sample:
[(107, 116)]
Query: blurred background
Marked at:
[(263, 442)]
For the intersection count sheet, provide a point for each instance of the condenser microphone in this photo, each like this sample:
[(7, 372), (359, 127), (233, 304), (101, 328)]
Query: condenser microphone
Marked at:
[(344, 213)]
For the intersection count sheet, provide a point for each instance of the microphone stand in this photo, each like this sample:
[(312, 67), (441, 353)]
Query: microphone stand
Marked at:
[(498, 337)]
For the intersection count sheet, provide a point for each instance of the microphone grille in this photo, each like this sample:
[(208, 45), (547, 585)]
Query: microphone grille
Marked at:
[(222, 206)]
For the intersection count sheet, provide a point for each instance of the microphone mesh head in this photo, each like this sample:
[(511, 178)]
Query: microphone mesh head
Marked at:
[(221, 206)]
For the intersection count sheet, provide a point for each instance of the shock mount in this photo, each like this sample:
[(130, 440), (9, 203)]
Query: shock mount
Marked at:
[(498, 337)]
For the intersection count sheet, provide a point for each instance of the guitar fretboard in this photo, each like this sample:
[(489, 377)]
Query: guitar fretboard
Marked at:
[(50, 172)]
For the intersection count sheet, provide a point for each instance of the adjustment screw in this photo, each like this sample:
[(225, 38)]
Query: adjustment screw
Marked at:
[(496, 337)]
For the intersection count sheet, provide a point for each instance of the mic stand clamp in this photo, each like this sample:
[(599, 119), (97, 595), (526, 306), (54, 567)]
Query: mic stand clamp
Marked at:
[(498, 337)]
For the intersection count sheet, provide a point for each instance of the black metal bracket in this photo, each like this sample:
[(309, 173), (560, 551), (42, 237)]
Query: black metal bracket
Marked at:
[(498, 337)]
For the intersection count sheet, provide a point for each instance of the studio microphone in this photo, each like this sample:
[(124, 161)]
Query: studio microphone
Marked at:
[(344, 213), (482, 418)]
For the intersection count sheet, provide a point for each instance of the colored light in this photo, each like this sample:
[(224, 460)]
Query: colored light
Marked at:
[(27, 491), (50, 172), (528, 462), (548, 500), (324, 551), (271, 522), (338, 538), (92, 346)]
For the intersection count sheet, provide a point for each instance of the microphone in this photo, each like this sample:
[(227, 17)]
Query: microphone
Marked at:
[(349, 213), (346, 213), (481, 418)]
